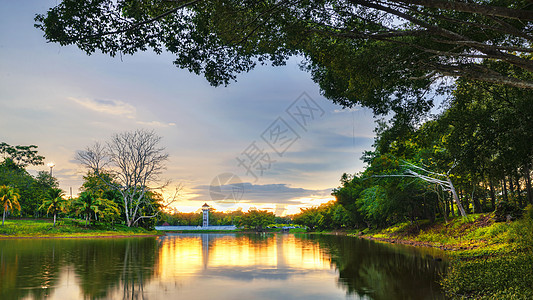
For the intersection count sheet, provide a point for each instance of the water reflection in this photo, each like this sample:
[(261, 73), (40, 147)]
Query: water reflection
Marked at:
[(76, 268), (384, 271), (225, 266), (243, 257)]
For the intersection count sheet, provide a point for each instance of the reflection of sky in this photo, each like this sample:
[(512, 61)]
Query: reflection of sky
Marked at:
[(232, 267), (63, 100), (184, 255), (218, 266)]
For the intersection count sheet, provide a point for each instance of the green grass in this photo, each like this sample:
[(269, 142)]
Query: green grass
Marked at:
[(489, 260), (507, 276), (64, 228)]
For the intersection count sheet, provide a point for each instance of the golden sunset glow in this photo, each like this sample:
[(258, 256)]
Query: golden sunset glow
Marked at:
[(180, 257), (186, 256)]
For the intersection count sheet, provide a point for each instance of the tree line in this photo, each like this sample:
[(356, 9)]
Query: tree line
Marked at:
[(481, 142), (120, 186), (255, 219)]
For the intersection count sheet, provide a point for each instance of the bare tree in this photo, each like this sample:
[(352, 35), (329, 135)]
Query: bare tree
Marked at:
[(136, 160), (437, 178), (443, 180)]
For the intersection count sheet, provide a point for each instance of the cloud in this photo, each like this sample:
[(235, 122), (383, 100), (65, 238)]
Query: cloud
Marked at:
[(156, 124), (112, 107), (264, 193)]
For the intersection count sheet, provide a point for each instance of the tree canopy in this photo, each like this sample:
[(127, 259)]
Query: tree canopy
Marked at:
[(386, 55), (21, 155)]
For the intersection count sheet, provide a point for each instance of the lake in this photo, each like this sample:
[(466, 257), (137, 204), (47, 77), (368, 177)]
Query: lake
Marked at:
[(218, 266)]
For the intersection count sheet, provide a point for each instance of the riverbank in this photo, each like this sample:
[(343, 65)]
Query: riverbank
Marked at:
[(72, 228), (67, 228), (489, 259)]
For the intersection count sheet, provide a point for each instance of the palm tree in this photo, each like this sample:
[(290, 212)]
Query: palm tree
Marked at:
[(87, 204), (8, 198), (54, 202)]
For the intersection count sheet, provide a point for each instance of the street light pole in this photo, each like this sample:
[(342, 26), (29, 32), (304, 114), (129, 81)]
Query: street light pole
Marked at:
[(51, 165)]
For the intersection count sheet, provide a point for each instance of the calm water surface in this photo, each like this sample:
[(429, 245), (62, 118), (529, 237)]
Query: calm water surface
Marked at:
[(217, 266)]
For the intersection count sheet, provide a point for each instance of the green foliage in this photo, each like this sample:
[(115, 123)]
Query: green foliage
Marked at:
[(327, 216), (506, 211), (21, 156), (257, 219), (32, 190), (522, 230), (353, 50), (90, 205), (54, 203), (382, 195), (489, 259), (507, 276), (8, 200)]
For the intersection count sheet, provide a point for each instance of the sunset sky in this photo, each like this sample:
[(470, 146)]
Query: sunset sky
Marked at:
[(63, 100)]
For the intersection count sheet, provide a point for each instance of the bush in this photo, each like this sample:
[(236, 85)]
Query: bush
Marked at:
[(522, 230), (506, 211)]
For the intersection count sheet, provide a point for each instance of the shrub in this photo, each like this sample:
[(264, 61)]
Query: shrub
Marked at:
[(522, 230), (506, 211)]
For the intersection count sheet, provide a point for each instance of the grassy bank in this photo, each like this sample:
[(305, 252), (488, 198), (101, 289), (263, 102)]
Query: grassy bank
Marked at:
[(37, 228), (490, 260)]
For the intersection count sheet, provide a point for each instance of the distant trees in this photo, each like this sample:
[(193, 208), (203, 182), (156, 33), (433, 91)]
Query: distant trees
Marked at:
[(257, 219), (253, 219), (182, 218), (9, 200), (329, 215), (130, 163), (32, 190)]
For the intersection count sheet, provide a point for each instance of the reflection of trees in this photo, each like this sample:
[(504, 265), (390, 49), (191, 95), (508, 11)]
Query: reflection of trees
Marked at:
[(32, 267), (383, 271), (121, 268), (26, 271), (257, 238), (105, 265)]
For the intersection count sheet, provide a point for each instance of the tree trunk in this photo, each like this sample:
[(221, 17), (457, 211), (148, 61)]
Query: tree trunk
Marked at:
[(475, 201), (492, 195), (518, 191), (456, 198), (477, 204), (55, 219), (445, 210), (452, 210), (3, 217), (462, 199), (505, 191), (485, 197), (528, 184)]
